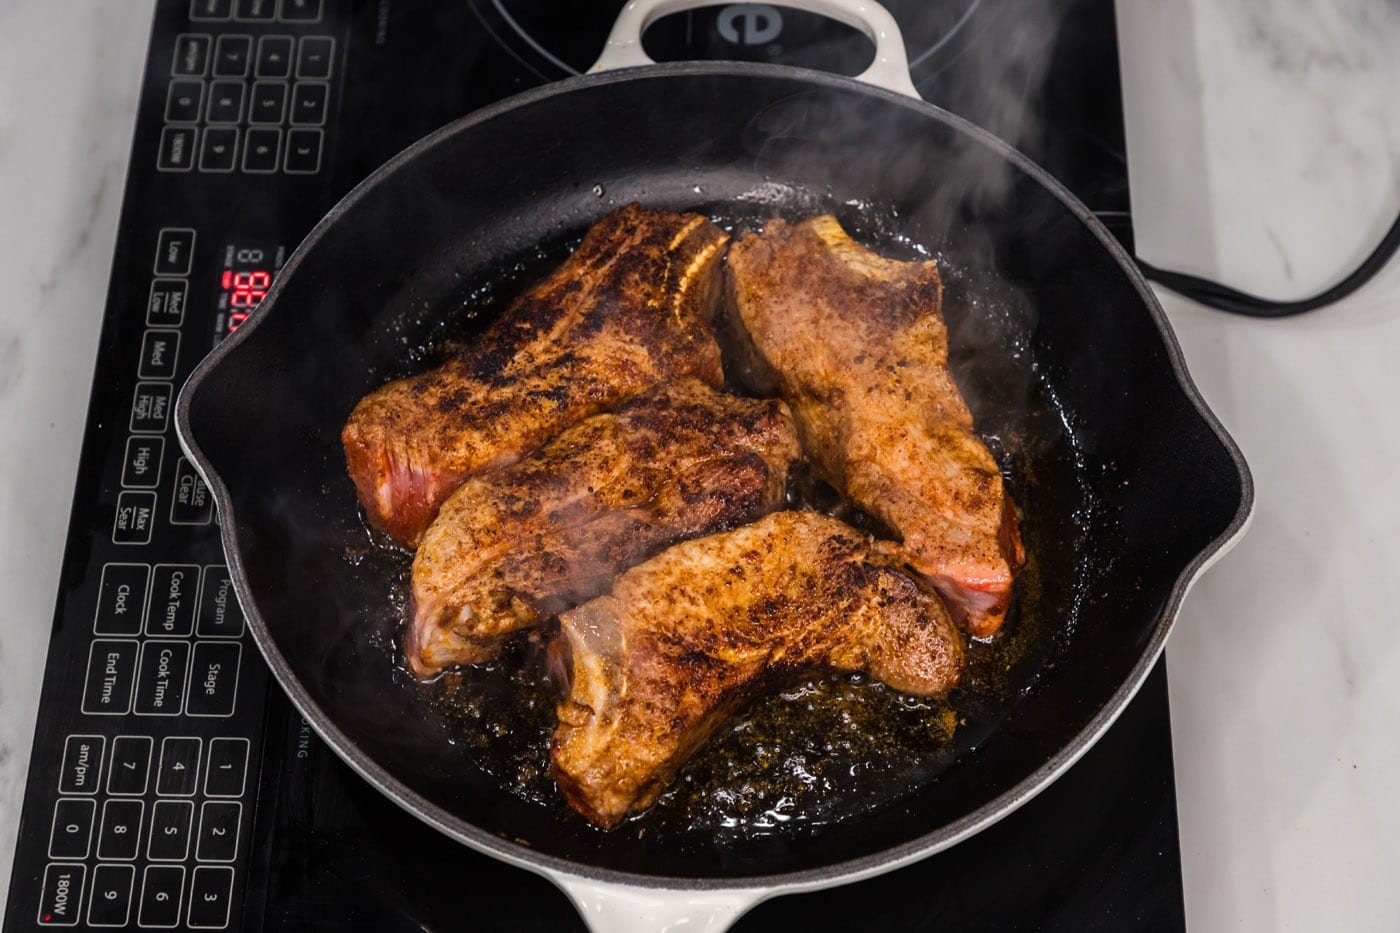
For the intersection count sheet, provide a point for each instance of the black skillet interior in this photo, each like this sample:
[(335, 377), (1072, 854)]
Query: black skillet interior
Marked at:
[(1124, 486)]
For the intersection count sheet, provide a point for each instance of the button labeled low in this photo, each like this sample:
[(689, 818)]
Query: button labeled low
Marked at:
[(174, 251)]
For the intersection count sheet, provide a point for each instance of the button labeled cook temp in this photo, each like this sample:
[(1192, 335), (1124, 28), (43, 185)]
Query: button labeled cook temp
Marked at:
[(174, 597)]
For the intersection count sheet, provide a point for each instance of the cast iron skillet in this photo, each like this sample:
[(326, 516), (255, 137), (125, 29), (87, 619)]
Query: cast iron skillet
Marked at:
[(1129, 485)]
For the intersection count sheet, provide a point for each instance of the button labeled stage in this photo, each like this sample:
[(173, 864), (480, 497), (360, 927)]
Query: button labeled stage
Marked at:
[(219, 152), (160, 684), (274, 57), (213, 678), (269, 103), (61, 900), (82, 764), (71, 833), (211, 896), (170, 831), (150, 408), (131, 762), (174, 251), (228, 763), (178, 774), (210, 10), (232, 55), (182, 101), (121, 599), (309, 103), (220, 616), (191, 58), (136, 512), (110, 902), (192, 503), (174, 599), (160, 354), (141, 464), (303, 152), (160, 896), (176, 153), (256, 10), (119, 839), (260, 150), (111, 678), (218, 832), (166, 305), (314, 57)]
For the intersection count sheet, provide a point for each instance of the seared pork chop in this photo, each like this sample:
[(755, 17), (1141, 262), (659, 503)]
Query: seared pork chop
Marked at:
[(691, 635), (630, 308), (515, 546), (858, 348)]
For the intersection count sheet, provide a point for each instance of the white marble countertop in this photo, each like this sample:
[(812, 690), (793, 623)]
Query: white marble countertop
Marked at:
[(1264, 144)]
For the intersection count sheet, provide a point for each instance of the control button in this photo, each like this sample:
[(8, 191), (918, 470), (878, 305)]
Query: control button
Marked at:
[(170, 831), (166, 305), (174, 599), (192, 504), (182, 101), (213, 678), (121, 599), (218, 832), (274, 57), (210, 10), (191, 57), (178, 773), (174, 251), (300, 11), (71, 833), (110, 903), (225, 103), (211, 895), (160, 684), (136, 513), (260, 150), (62, 897), (150, 408), (303, 152), (120, 837), (220, 616), (131, 760), (256, 10), (314, 57), (111, 677), (160, 896), (228, 763), (176, 149), (160, 353), (141, 464), (232, 56), (220, 150), (269, 102), (309, 103), (82, 764)]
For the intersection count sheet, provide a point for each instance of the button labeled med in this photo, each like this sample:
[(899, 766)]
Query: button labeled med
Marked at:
[(160, 354), (121, 599), (111, 678)]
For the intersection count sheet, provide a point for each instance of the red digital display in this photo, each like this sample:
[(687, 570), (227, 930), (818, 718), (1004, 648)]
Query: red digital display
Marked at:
[(244, 281)]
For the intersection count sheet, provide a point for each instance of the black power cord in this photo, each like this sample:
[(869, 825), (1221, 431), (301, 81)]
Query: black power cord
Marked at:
[(1224, 298)]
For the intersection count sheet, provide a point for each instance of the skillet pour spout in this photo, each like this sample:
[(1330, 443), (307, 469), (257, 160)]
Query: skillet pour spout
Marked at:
[(1130, 486)]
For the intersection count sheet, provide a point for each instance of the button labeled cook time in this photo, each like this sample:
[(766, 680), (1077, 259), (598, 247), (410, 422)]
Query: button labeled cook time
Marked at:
[(111, 677), (150, 408), (160, 683), (121, 599), (192, 503), (141, 463), (62, 897), (174, 251), (136, 512), (213, 678), (160, 896), (82, 764)]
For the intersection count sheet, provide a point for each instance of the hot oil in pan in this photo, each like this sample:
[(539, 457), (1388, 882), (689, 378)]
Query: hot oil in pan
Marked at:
[(834, 746)]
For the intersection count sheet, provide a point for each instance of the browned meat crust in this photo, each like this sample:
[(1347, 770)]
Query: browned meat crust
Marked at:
[(630, 308), (522, 543), (691, 635), (858, 348)]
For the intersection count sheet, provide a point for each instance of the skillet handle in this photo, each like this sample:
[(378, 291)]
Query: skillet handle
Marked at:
[(618, 908), (890, 70)]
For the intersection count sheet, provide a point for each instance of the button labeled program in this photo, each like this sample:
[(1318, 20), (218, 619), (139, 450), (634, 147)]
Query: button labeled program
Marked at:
[(82, 764), (121, 599), (166, 305), (62, 897), (136, 512), (160, 354), (150, 408), (220, 616), (174, 251), (192, 503), (111, 677), (141, 464), (160, 683), (213, 678), (174, 598)]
